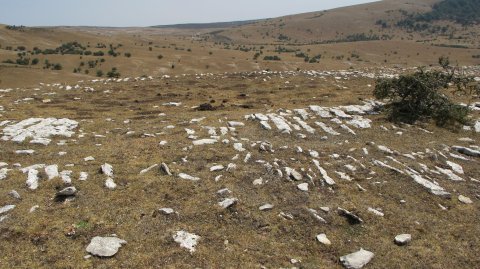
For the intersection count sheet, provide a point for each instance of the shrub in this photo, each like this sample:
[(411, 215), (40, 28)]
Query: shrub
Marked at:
[(422, 96), (35, 61), (57, 67), (98, 53), (160, 57), (23, 61), (113, 73), (272, 58), (99, 73), (128, 54)]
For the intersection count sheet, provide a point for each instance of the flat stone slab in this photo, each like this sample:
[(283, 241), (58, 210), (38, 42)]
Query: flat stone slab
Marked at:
[(105, 246), (357, 259), (186, 240)]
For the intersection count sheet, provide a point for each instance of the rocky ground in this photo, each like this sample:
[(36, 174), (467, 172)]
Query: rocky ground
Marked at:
[(262, 169)]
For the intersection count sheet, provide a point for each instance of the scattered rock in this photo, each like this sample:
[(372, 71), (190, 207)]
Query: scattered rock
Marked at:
[(357, 259), (352, 218), (216, 168), (52, 171), (207, 141), (188, 177), (403, 239), (146, 170), (376, 212), (467, 151), (465, 199), (165, 169), (303, 187), (32, 179), (322, 238), (5, 209), (15, 194), (69, 191), (228, 202), (110, 184), (107, 169), (186, 240), (167, 211), (105, 246), (89, 159), (265, 207)]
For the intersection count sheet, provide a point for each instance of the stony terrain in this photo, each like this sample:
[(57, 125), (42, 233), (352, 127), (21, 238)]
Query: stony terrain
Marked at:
[(227, 170)]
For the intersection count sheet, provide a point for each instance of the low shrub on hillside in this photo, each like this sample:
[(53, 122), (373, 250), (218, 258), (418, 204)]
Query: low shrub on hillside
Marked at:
[(423, 95)]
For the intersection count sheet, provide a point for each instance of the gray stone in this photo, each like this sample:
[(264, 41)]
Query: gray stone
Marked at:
[(15, 194), (357, 259), (352, 218), (322, 238), (266, 207), (105, 246), (165, 169), (69, 191), (465, 199), (107, 169), (5, 209), (186, 240), (403, 239), (303, 187), (228, 202)]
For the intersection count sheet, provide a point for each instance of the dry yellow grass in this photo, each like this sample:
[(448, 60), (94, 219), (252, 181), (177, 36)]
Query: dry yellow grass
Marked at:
[(243, 236)]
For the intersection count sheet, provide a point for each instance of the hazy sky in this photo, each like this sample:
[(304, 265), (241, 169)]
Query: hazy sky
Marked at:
[(152, 12)]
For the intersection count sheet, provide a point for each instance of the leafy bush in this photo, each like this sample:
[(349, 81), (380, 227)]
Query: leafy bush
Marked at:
[(421, 96), (113, 73), (128, 54), (272, 58), (99, 73), (57, 67), (35, 61)]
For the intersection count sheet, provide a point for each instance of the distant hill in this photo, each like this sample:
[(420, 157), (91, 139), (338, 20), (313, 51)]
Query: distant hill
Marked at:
[(212, 25), (465, 12)]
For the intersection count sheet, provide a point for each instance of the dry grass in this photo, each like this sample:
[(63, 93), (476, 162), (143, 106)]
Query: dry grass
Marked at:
[(243, 236)]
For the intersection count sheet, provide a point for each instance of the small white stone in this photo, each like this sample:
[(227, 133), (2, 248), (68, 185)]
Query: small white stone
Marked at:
[(188, 177), (52, 171), (265, 207), (303, 186), (465, 199), (403, 239), (258, 181), (216, 168), (376, 212), (107, 169), (15, 194), (5, 209), (83, 176), (105, 246), (224, 191), (238, 147), (325, 209), (110, 184), (186, 240), (357, 259), (34, 208), (166, 211), (204, 142), (227, 202), (322, 238)]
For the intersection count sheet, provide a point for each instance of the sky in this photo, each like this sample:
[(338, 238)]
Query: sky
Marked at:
[(122, 13)]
